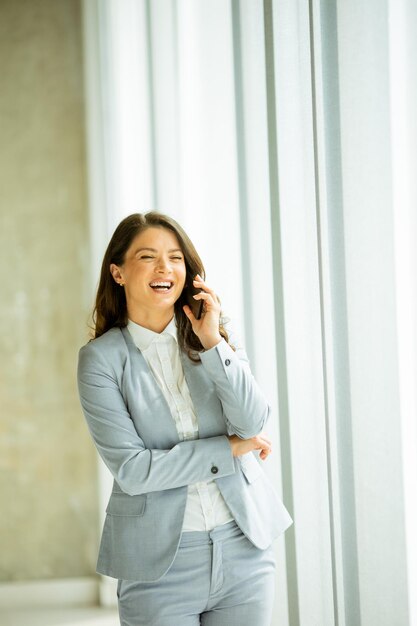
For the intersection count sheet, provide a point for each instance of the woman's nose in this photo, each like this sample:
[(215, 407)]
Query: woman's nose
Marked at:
[(163, 265)]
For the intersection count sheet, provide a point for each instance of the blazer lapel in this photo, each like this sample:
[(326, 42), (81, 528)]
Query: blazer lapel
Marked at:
[(148, 406)]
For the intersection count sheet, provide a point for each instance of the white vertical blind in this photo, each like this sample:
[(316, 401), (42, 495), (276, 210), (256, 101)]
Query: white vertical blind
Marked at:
[(321, 26), (299, 316), (402, 21), (259, 279), (377, 563)]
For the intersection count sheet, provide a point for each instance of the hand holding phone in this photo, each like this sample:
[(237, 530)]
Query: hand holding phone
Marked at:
[(206, 326)]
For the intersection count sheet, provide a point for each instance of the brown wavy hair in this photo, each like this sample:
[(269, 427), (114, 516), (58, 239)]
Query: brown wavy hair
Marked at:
[(110, 308)]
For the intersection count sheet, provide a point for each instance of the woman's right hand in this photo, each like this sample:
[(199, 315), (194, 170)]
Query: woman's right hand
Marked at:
[(242, 446)]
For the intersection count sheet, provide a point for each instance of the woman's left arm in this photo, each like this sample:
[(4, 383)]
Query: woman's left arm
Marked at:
[(244, 404), (245, 407)]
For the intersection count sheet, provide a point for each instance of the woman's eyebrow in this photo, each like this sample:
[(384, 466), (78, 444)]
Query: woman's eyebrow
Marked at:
[(154, 250)]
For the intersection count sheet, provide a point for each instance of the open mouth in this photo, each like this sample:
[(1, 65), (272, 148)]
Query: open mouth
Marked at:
[(161, 285)]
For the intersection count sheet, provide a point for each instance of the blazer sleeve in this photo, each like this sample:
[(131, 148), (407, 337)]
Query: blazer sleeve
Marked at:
[(136, 468), (245, 408)]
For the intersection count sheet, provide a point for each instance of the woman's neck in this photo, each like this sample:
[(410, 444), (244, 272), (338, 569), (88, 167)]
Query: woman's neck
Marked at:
[(152, 320)]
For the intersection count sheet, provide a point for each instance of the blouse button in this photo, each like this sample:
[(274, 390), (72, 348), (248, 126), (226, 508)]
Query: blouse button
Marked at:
[(227, 362), (214, 469)]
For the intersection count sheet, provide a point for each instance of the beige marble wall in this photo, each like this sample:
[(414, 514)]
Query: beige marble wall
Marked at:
[(48, 478)]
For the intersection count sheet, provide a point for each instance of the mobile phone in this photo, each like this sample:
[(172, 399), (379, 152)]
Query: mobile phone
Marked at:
[(200, 309), (195, 305)]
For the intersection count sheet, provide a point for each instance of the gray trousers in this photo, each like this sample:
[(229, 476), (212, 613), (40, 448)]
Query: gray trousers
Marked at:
[(218, 578)]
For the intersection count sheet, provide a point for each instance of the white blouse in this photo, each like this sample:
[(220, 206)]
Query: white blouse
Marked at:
[(205, 507)]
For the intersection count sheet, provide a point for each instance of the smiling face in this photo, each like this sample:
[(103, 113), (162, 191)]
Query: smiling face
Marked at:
[(153, 275)]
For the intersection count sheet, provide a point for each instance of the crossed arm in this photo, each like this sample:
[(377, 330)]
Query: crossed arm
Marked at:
[(138, 469)]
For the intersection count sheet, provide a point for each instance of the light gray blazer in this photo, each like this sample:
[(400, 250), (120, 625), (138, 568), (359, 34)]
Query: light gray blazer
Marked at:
[(133, 430)]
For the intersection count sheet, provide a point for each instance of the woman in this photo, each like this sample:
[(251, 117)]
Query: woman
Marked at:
[(176, 414)]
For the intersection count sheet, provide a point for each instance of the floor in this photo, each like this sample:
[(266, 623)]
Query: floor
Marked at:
[(60, 617)]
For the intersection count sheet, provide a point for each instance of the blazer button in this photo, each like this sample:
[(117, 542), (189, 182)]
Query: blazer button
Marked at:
[(227, 362), (214, 469)]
